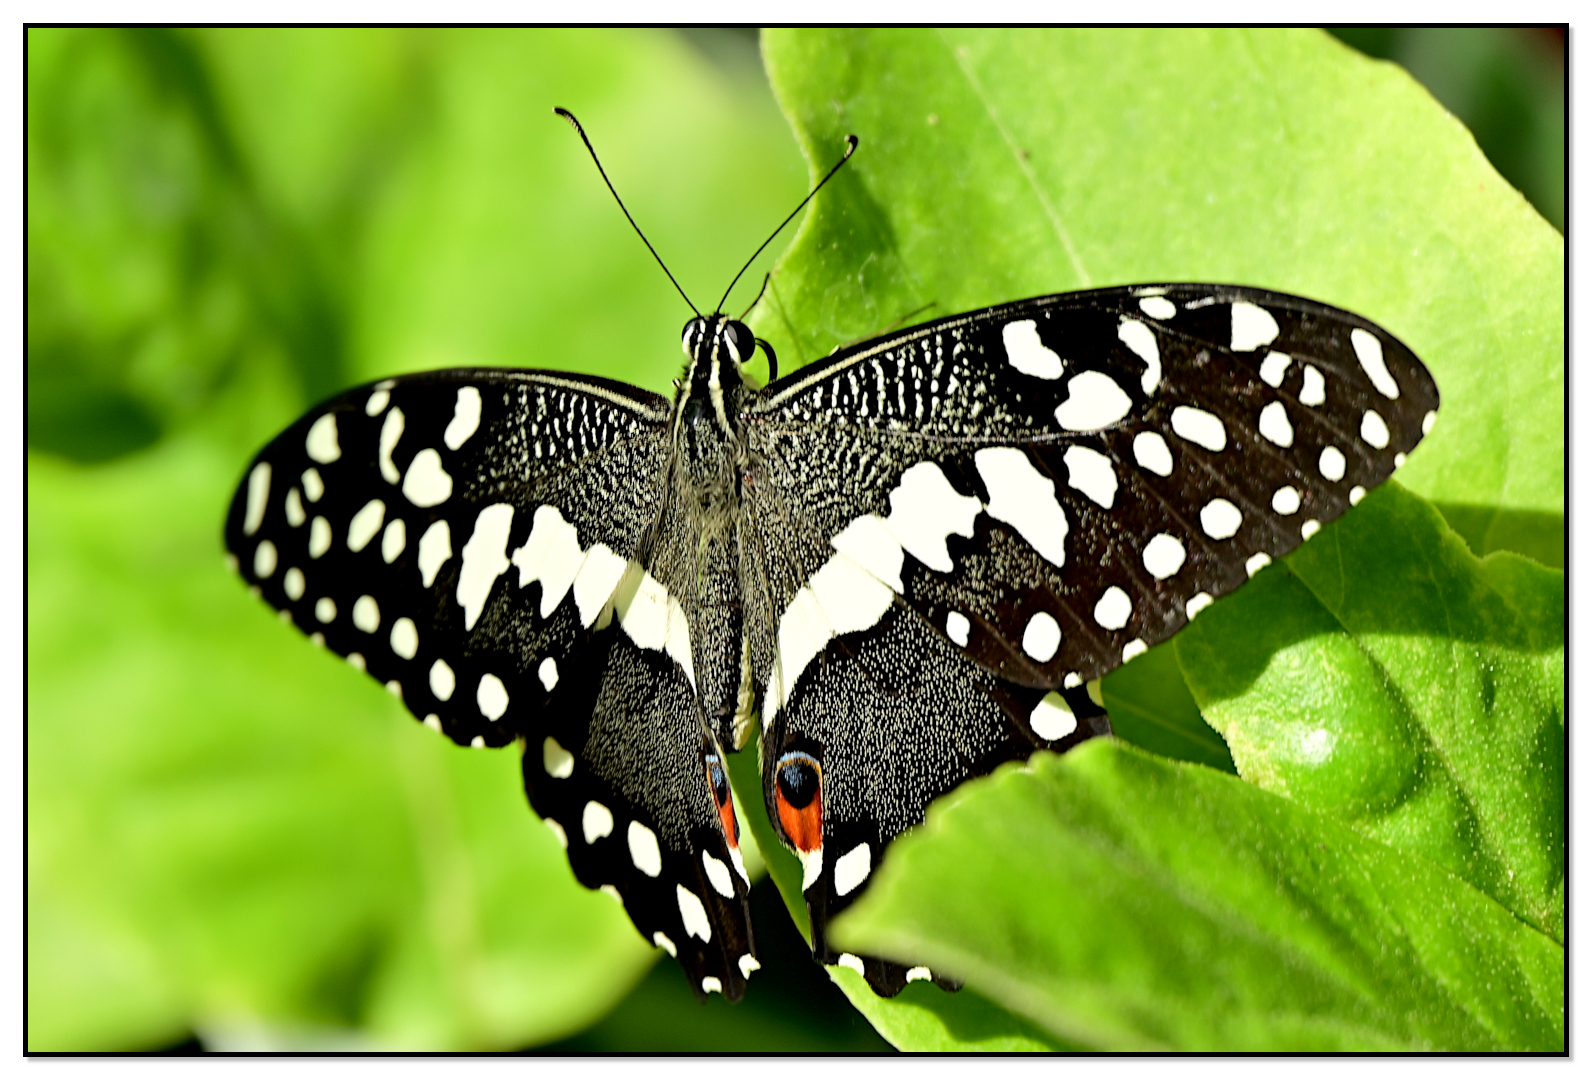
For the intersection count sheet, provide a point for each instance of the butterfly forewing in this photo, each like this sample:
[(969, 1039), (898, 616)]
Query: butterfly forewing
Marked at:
[(474, 540), (1045, 489)]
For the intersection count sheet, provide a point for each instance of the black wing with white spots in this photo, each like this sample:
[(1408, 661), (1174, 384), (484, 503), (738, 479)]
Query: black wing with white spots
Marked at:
[(478, 541), (953, 530)]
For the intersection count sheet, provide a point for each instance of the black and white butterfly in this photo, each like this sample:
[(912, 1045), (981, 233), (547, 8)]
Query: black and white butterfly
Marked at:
[(903, 565)]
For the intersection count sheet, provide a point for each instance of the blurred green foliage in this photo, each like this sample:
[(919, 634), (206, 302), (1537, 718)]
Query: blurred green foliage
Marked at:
[(232, 835)]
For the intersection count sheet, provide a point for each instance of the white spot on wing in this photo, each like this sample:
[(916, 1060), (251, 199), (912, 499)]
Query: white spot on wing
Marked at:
[(491, 697), (293, 508), (1313, 392), (404, 639), (852, 869), (1369, 349), (264, 559), (313, 487), (1136, 647), (599, 575), (1220, 519), (644, 609), (1332, 463), (427, 483), (321, 442), (436, 548), (956, 627), (1198, 426), (596, 821), (1373, 429), (1274, 424), (366, 615), (326, 609), (712, 985), (259, 494), (563, 840), (693, 914), (1026, 353), (1090, 472), (919, 974), (483, 559), (1164, 555), (644, 853), (393, 539), (1252, 327), (1141, 340), (852, 961), (718, 876), (365, 524), (441, 680), (466, 418), (547, 671), (320, 537), (1152, 453), (1024, 498), (1257, 562), (1114, 609), (1356, 493), (1196, 604), (1094, 400), (1053, 718), (925, 509), (1309, 528), (293, 583), (661, 940), (1285, 500), (868, 541), (392, 429), (748, 964), (812, 866), (1274, 368), (1041, 637), (1428, 421), (556, 761), (1157, 307), (376, 402), (551, 555)]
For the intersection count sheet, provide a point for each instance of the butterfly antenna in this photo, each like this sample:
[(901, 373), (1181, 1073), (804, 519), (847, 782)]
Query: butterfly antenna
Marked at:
[(851, 146), (567, 115)]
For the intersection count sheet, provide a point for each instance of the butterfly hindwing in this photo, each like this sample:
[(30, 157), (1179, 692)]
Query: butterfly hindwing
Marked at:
[(633, 783), (474, 540), (1046, 488)]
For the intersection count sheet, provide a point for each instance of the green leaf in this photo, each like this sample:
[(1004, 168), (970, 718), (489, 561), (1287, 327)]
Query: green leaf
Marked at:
[(998, 164), (1123, 901), (1397, 683), (1001, 164)]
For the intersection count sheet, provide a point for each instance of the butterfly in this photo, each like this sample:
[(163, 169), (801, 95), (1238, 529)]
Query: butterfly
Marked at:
[(896, 568)]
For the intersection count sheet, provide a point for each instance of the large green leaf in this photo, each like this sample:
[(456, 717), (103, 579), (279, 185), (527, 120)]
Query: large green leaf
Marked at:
[(1124, 901), (996, 165), (1001, 164), (1390, 679)]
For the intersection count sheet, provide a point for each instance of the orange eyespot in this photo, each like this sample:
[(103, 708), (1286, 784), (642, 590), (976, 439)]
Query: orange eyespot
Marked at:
[(799, 798), (719, 784)]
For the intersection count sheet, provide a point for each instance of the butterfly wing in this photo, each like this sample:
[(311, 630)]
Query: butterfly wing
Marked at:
[(1021, 499), (467, 538)]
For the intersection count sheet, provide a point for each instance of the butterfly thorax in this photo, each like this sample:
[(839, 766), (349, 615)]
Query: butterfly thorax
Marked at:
[(708, 454)]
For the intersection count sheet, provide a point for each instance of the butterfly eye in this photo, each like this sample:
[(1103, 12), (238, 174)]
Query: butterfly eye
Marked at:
[(719, 784), (691, 336), (799, 783), (738, 336)]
